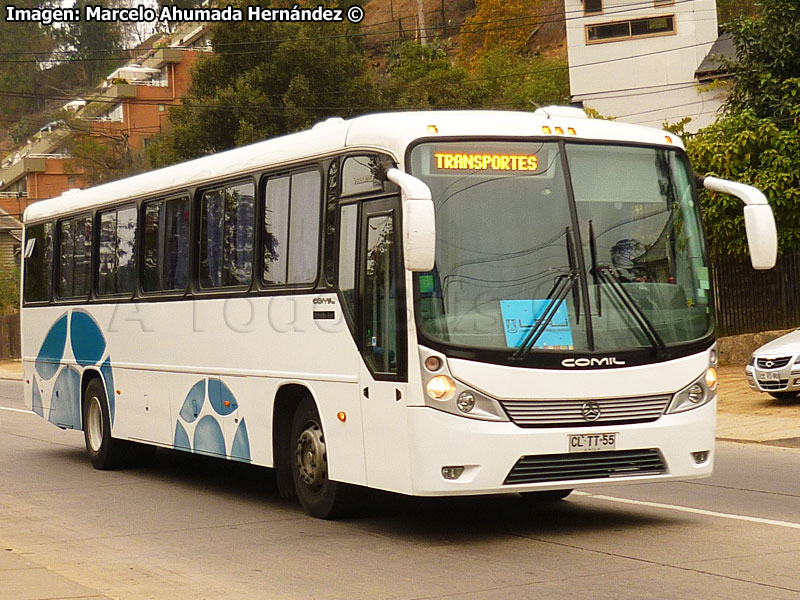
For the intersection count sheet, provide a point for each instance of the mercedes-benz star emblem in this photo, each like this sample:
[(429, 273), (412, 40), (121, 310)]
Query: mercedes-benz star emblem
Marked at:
[(590, 410)]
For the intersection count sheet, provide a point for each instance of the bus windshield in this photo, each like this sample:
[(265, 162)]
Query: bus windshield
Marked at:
[(562, 247)]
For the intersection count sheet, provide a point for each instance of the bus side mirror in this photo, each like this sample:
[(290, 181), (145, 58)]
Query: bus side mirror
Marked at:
[(419, 221), (759, 222)]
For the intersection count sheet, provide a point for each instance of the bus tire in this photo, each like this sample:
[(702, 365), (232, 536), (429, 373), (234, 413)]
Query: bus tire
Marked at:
[(545, 497), (105, 452), (319, 496)]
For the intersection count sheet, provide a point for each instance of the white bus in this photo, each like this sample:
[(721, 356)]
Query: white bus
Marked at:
[(430, 303)]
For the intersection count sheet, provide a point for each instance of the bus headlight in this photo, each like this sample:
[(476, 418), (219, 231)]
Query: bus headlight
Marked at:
[(441, 388), (696, 394)]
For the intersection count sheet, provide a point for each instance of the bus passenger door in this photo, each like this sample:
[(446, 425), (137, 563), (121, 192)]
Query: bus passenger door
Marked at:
[(381, 331)]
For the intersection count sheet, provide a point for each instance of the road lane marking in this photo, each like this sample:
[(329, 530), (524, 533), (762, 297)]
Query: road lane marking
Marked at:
[(19, 410), (686, 509)]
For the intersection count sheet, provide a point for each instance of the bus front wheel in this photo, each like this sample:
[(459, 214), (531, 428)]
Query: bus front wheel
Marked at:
[(104, 451), (319, 496)]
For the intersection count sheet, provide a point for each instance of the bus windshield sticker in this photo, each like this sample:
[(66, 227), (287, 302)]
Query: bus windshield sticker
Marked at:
[(519, 316)]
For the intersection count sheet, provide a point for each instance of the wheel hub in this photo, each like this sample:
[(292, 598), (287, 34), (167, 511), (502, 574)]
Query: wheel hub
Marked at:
[(310, 457)]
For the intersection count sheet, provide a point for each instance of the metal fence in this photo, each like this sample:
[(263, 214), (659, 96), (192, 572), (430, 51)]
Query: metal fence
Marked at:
[(750, 301)]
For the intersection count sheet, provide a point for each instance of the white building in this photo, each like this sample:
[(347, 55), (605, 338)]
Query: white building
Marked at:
[(636, 60)]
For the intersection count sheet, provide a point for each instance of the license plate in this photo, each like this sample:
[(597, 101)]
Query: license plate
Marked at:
[(769, 377), (592, 442)]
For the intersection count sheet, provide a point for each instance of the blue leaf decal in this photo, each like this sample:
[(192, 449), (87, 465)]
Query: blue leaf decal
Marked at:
[(241, 444), (65, 404), (36, 403), (219, 394), (52, 351), (105, 369), (181, 438), (88, 343), (208, 438), (194, 402)]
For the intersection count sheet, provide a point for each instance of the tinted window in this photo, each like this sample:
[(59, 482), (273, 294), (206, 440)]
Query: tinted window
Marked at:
[(347, 255), (226, 236), (116, 273), (75, 254), (361, 174), (38, 262), (166, 245)]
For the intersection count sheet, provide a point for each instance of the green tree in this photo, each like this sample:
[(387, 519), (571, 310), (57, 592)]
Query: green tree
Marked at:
[(757, 140), (266, 79), (730, 10), (514, 81), (95, 45), (423, 76), (766, 71), (758, 151), (24, 47)]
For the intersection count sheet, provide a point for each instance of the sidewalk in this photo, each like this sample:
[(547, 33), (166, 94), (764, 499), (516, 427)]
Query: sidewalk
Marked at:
[(11, 369), (743, 415)]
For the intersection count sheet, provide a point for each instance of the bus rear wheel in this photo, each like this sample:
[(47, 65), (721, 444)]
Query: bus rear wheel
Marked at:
[(105, 452), (319, 496)]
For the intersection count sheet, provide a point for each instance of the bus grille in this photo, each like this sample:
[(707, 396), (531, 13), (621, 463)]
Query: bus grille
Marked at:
[(586, 465), (554, 413)]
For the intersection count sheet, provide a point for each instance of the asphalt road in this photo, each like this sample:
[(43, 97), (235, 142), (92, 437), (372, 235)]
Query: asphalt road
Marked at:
[(190, 527)]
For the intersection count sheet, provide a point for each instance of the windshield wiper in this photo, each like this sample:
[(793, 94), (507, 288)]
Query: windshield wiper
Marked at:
[(561, 288), (608, 276)]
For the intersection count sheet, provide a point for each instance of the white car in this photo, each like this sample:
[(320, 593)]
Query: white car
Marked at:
[(775, 367)]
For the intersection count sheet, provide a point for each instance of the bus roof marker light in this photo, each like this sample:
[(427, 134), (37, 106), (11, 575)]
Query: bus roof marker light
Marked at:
[(668, 139), (433, 129), (546, 129), (560, 130), (571, 131)]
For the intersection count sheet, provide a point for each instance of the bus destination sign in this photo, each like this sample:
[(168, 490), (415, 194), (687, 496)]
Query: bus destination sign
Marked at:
[(464, 161)]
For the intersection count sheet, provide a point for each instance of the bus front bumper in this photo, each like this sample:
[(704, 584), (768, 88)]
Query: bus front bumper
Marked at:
[(492, 458)]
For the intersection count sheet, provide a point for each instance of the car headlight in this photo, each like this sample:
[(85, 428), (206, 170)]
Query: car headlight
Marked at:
[(696, 394), (752, 360)]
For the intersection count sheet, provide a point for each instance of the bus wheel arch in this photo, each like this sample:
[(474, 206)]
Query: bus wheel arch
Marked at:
[(301, 456)]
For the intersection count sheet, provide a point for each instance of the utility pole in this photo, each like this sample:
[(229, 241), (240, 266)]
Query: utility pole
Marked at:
[(421, 23)]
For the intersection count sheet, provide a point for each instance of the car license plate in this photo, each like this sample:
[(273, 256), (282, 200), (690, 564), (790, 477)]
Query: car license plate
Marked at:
[(592, 442), (769, 377)]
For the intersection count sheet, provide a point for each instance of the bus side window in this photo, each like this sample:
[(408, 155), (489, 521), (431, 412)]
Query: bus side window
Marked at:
[(38, 263), (166, 245), (226, 236), (348, 227), (292, 228), (116, 273), (75, 257)]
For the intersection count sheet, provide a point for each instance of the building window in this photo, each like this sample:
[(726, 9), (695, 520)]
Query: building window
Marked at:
[(633, 28), (592, 6)]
